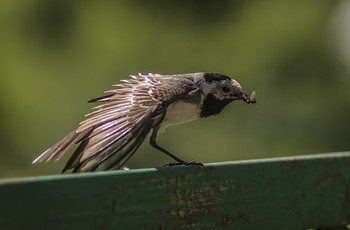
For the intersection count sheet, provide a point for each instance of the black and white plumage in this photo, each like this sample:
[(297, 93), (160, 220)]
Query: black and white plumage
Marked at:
[(115, 130)]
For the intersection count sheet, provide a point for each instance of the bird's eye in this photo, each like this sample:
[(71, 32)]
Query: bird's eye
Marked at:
[(225, 89)]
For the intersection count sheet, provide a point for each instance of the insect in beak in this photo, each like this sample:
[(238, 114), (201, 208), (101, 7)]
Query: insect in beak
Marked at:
[(248, 99)]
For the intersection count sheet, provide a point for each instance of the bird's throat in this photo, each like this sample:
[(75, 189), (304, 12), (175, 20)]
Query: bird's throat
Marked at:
[(212, 106)]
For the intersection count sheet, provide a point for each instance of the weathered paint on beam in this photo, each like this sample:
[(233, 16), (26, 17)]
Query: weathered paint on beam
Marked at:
[(280, 193)]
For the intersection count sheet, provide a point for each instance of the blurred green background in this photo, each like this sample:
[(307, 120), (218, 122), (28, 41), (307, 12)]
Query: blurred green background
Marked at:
[(54, 55)]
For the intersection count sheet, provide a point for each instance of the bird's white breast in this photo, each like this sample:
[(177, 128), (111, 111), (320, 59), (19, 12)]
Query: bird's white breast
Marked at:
[(180, 112)]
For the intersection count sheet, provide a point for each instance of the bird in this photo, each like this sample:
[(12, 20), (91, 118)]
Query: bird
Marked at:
[(111, 134)]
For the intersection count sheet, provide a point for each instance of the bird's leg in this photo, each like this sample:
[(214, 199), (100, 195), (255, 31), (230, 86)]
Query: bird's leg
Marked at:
[(153, 142)]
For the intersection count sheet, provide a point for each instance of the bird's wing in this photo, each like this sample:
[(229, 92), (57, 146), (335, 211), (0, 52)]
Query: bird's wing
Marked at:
[(115, 130)]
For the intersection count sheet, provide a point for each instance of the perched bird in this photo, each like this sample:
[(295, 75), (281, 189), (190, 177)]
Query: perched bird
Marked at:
[(115, 130)]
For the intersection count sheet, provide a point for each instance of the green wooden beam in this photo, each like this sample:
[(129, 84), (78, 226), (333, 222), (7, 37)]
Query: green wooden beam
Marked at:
[(280, 193)]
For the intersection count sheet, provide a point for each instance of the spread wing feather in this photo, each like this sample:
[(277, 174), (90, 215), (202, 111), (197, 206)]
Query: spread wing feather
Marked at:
[(115, 130)]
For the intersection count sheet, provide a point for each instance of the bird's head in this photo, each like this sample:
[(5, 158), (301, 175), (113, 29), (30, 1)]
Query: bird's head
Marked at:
[(219, 90), (223, 88)]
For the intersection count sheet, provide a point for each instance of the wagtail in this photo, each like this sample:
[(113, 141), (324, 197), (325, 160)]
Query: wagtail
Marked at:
[(116, 129)]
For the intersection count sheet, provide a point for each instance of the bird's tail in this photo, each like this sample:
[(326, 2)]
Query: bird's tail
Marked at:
[(62, 147), (108, 151)]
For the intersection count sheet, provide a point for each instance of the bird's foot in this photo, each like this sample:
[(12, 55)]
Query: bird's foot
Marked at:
[(185, 163)]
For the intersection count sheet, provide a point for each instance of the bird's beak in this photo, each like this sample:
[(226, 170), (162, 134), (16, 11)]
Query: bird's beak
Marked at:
[(241, 96), (245, 97)]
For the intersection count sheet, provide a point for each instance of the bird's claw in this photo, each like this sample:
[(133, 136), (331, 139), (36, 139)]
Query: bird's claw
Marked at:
[(184, 163)]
